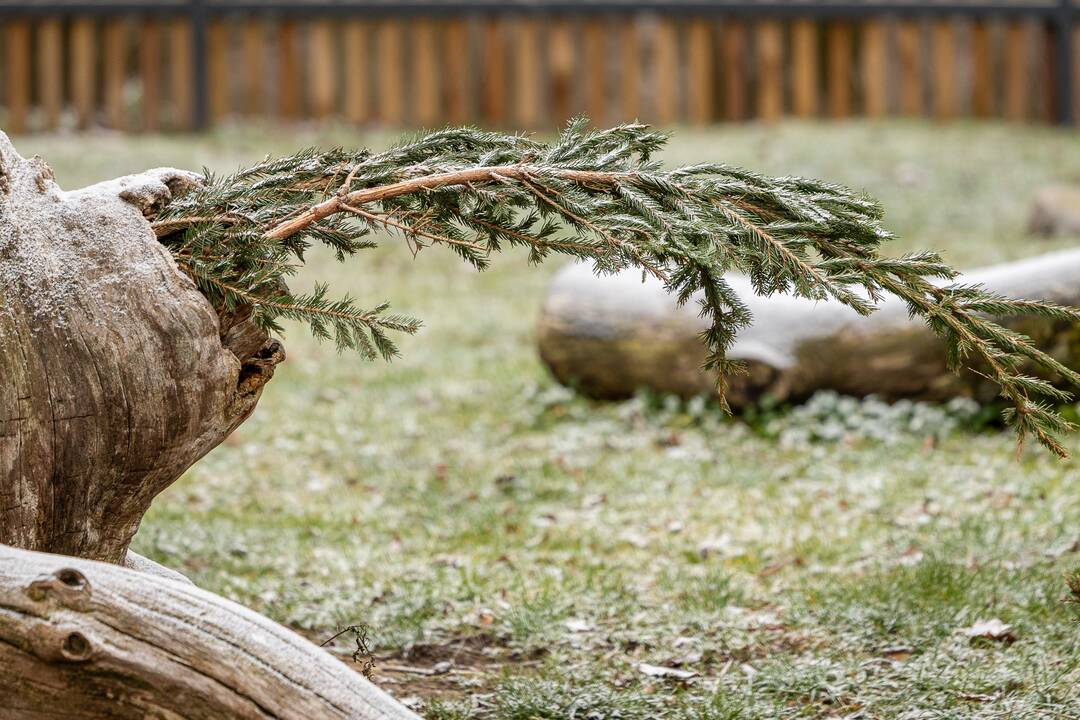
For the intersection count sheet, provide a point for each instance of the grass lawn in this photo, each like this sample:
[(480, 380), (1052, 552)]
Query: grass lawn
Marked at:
[(517, 553)]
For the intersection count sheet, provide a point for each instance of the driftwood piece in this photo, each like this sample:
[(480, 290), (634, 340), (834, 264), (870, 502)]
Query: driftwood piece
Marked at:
[(116, 374), (84, 639), (609, 336)]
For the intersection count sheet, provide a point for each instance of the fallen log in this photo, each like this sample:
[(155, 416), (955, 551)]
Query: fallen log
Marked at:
[(85, 639), (609, 336)]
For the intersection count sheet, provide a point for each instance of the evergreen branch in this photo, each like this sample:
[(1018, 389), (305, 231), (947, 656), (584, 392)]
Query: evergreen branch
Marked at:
[(240, 236)]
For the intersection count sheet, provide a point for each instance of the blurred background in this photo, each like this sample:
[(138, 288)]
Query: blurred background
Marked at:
[(516, 550), (192, 64)]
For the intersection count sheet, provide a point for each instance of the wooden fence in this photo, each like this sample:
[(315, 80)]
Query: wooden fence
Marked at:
[(186, 64)]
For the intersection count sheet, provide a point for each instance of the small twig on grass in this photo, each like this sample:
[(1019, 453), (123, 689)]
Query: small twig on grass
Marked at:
[(362, 654)]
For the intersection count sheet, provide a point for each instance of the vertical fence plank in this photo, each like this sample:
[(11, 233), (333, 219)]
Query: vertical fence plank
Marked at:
[(217, 70), (252, 48), (595, 66), (493, 78), (1015, 62), (1047, 81), (1076, 72), (944, 65), (114, 71), (357, 71), (804, 68), (455, 66), (288, 67), (561, 70), (425, 73), (733, 59), (389, 71), (81, 75), (526, 85), (982, 79), (150, 73), (908, 44), (50, 70), (181, 84), (665, 81), (839, 68), (700, 66), (322, 69), (17, 76), (874, 69), (630, 69), (770, 70)]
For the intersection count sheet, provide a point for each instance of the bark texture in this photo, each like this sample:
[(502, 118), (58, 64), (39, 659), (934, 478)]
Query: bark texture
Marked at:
[(116, 374), (84, 639), (609, 336)]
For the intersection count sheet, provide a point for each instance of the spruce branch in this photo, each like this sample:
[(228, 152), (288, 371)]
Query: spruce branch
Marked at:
[(595, 195)]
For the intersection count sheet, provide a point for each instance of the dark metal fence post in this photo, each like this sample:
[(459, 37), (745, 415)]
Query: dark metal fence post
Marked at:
[(1063, 61), (200, 118)]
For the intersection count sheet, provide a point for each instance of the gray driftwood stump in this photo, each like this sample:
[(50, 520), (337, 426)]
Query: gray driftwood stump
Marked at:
[(116, 375), (612, 335)]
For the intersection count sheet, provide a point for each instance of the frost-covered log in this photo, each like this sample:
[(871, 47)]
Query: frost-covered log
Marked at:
[(84, 639), (116, 374), (611, 335)]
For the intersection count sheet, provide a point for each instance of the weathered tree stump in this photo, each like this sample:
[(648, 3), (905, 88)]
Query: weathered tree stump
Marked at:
[(116, 375), (609, 336)]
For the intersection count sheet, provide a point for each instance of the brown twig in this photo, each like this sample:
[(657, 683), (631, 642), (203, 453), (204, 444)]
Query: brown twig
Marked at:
[(425, 182)]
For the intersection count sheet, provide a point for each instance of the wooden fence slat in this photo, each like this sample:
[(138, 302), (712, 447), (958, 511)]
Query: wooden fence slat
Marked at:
[(665, 80), (874, 52), (150, 73), (944, 70), (82, 76), (838, 51), (389, 71), (770, 70), (357, 71), (527, 72), (1015, 71), (218, 70), (561, 70), (1047, 82), (17, 74), (1076, 73), (114, 48), (909, 50), (425, 73), (456, 71), (493, 73), (733, 59), (181, 84), (804, 68), (629, 69), (700, 68), (289, 68), (982, 78), (50, 70), (595, 66), (322, 69), (253, 49)]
